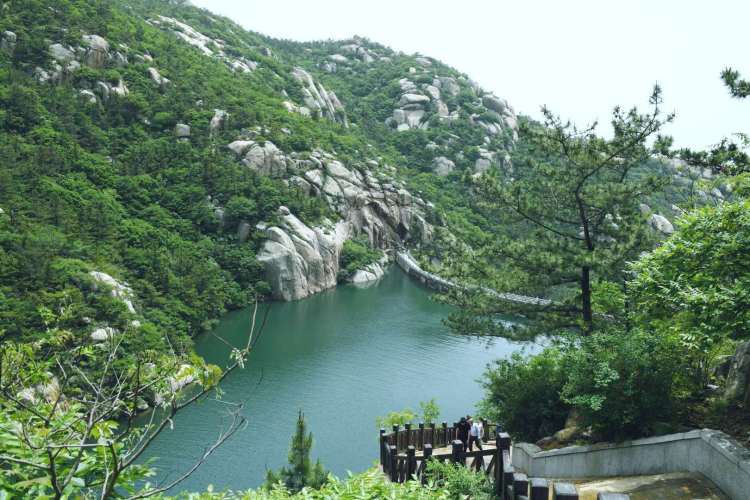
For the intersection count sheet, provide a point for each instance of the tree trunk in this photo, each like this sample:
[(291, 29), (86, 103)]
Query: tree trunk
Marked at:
[(586, 300)]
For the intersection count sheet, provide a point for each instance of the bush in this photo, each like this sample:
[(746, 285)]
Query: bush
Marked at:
[(356, 254), (621, 382), (694, 287), (522, 394), (459, 481)]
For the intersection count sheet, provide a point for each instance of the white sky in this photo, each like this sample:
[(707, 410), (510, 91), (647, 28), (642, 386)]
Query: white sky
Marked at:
[(579, 57)]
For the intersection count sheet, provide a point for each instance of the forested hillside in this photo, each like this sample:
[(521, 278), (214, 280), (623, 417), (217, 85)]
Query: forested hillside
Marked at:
[(160, 165), (116, 120)]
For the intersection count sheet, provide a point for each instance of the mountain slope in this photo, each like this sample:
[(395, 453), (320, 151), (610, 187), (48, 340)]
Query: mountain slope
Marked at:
[(146, 148)]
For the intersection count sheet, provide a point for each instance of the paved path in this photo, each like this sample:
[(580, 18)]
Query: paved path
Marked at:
[(675, 486)]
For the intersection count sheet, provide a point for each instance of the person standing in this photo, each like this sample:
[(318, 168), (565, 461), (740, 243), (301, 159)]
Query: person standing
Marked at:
[(463, 428), (476, 433)]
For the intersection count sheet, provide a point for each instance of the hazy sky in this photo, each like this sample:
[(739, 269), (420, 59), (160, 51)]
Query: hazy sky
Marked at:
[(579, 57)]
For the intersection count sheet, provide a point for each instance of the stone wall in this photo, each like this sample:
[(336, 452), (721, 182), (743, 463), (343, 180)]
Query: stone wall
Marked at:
[(711, 453)]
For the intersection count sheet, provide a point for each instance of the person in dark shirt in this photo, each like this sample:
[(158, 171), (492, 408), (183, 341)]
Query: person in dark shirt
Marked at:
[(463, 431)]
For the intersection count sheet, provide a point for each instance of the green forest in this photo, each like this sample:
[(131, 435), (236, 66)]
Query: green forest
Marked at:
[(140, 148)]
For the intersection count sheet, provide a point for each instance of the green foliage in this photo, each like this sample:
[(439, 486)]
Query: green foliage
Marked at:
[(694, 287), (522, 394), (460, 481), (369, 485), (621, 382), (573, 202), (356, 254), (396, 418), (430, 411), (301, 472)]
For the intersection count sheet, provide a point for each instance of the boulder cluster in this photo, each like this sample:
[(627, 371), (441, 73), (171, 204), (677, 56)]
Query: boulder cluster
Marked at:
[(416, 102), (212, 47), (317, 100), (352, 52)]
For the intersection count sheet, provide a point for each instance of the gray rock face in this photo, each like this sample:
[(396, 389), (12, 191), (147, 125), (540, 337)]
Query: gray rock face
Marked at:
[(661, 224), (739, 375), (447, 84), (318, 100), (8, 42), (89, 96), (495, 104), (409, 99), (442, 166), (482, 165), (120, 89), (156, 77), (61, 54), (97, 51), (300, 261), (293, 257), (219, 120), (240, 147), (369, 274), (118, 290), (266, 160), (182, 131)]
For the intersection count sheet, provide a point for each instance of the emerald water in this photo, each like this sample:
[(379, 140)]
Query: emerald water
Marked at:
[(343, 357)]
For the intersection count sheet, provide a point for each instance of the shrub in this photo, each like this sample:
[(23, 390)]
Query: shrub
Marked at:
[(356, 254), (621, 382), (459, 481), (522, 394)]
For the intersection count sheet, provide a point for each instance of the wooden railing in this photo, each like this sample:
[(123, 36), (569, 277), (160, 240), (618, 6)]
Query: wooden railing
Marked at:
[(406, 452), (439, 436)]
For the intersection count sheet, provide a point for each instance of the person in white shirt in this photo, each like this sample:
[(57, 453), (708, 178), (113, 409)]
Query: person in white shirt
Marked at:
[(476, 434)]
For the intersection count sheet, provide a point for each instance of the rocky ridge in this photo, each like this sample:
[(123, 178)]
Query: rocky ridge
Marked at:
[(300, 260)]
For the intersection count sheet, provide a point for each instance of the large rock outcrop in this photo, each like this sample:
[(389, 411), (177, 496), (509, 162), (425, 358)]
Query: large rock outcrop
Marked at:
[(300, 260), (317, 100)]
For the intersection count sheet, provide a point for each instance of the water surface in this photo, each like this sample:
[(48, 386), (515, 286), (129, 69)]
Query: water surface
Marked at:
[(343, 357)]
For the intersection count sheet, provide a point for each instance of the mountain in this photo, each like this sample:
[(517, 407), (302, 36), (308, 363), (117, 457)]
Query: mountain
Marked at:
[(160, 165)]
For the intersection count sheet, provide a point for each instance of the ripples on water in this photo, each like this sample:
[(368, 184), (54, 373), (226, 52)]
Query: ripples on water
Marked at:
[(343, 357)]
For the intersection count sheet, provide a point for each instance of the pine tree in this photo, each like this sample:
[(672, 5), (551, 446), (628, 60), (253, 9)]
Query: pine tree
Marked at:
[(572, 203), (301, 472)]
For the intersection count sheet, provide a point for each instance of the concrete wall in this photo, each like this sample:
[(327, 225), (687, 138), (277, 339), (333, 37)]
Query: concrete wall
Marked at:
[(410, 267), (712, 453)]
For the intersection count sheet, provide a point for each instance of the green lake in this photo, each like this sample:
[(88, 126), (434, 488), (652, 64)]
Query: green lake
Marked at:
[(343, 357)]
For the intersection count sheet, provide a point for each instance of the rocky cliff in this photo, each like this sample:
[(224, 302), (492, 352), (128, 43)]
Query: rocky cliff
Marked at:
[(300, 260)]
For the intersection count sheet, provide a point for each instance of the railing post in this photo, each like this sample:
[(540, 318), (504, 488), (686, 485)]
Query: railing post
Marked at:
[(426, 457), (395, 435), (432, 433), (457, 452), (382, 448), (520, 485), (454, 431), (445, 434), (539, 488), (407, 429), (565, 491), (420, 439), (411, 462), (498, 464), (508, 471), (394, 463), (504, 440)]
